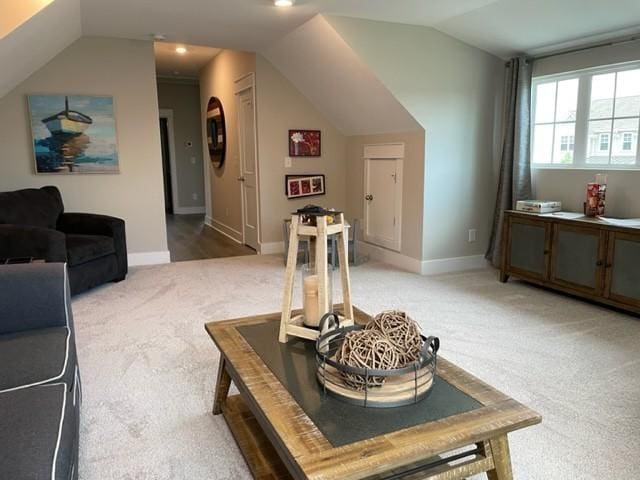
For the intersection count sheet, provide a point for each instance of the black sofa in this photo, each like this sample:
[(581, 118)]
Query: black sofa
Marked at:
[(40, 391), (33, 224)]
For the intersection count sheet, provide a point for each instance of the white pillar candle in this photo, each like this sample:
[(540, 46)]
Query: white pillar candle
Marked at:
[(310, 301)]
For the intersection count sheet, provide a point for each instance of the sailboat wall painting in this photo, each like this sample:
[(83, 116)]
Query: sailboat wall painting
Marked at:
[(73, 134)]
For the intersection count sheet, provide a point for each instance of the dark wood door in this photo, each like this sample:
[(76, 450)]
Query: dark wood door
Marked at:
[(578, 258), (623, 269), (527, 248)]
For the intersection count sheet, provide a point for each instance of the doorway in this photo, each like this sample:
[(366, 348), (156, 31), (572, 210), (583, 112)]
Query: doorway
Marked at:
[(166, 165), (245, 98), (383, 195)]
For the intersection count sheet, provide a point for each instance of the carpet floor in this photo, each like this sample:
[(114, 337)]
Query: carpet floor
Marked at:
[(148, 366)]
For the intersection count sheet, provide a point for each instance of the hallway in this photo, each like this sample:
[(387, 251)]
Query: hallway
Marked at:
[(190, 239)]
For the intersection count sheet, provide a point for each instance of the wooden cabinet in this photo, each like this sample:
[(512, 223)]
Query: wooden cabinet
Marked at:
[(577, 258), (584, 257), (527, 248), (622, 283)]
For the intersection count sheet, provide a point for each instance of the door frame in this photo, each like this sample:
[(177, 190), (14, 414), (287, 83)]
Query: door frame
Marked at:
[(241, 85), (385, 151), (167, 113)]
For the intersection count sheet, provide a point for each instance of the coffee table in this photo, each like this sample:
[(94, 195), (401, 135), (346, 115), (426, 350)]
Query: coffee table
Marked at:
[(287, 427)]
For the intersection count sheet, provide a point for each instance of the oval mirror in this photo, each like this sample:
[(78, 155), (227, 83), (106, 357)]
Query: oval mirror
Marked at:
[(216, 133)]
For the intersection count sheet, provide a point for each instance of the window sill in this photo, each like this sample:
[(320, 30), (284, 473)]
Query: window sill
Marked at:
[(603, 168)]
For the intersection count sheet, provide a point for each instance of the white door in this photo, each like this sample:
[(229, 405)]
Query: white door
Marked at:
[(248, 168), (383, 202)]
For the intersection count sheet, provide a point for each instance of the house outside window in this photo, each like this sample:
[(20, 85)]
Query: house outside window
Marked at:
[(587, 119), (627, 141), (566, 143)]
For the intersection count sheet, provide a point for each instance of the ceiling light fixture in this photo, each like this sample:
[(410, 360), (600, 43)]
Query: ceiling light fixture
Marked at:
[(283, 3), (181, 50)]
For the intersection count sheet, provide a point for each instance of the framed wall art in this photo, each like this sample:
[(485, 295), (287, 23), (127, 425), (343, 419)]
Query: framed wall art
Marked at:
[(304, 185), (73, 134), (305, 143)]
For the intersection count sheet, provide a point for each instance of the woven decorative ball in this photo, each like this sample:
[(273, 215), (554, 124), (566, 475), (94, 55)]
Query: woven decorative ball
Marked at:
[(366, 349), (402, 331)]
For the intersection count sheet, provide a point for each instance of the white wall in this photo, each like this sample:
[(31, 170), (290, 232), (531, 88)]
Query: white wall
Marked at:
[(222, 188), (623, 192), (412, 185), (124, 69), (280, 107), (183, 99), (453, 90)]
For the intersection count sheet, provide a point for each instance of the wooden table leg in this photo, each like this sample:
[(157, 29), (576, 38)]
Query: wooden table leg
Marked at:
[(222, 386), (501, 459)]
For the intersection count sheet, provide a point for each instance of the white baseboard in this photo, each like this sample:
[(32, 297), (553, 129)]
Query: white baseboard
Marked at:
[(148, 258), (392, 258), (188, 210), (225, 230), (457, 264), (423, 267), (273, 247)]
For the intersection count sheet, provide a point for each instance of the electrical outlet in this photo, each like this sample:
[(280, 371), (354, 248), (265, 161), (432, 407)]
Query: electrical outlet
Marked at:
[(287, 162), (194, 196), (473, 235)]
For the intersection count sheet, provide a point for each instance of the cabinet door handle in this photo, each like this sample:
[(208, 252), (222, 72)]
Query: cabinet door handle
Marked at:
[(599, 263)]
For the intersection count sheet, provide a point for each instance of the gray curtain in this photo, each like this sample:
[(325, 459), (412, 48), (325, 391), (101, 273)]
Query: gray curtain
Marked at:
[(515, 165)]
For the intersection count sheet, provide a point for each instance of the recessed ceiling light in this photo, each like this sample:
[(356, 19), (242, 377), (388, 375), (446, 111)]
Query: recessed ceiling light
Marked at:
[(283, 3), (181, 50)]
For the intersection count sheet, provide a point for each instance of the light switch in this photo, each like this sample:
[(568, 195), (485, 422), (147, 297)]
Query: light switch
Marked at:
[(193, 160), (287, 162)]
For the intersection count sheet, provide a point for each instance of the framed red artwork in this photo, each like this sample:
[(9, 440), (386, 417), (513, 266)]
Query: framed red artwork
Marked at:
[(305, 143), (304, 185)]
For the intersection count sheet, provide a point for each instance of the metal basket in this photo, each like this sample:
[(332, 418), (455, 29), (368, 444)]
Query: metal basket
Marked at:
[(402, 386)]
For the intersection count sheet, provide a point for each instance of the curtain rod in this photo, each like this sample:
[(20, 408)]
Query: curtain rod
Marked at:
[(610, 43)]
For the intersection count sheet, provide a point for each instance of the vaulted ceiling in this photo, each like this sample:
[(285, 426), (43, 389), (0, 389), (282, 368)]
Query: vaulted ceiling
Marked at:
[(501, 27), (35, 36), (331, 75)]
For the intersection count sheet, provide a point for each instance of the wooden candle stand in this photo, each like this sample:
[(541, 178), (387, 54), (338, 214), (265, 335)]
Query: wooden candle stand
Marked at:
[(318, 236)]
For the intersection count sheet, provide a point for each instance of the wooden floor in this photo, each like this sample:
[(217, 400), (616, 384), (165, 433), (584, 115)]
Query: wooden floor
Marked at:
[(190, 239)]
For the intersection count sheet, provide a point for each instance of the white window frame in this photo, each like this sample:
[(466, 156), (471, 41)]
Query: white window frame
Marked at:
[(582, 119), (624, 141), (601, 141)]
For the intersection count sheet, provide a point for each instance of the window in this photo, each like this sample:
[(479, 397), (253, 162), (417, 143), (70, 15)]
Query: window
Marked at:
[(587, 119), (566, 143), (627, 141)]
